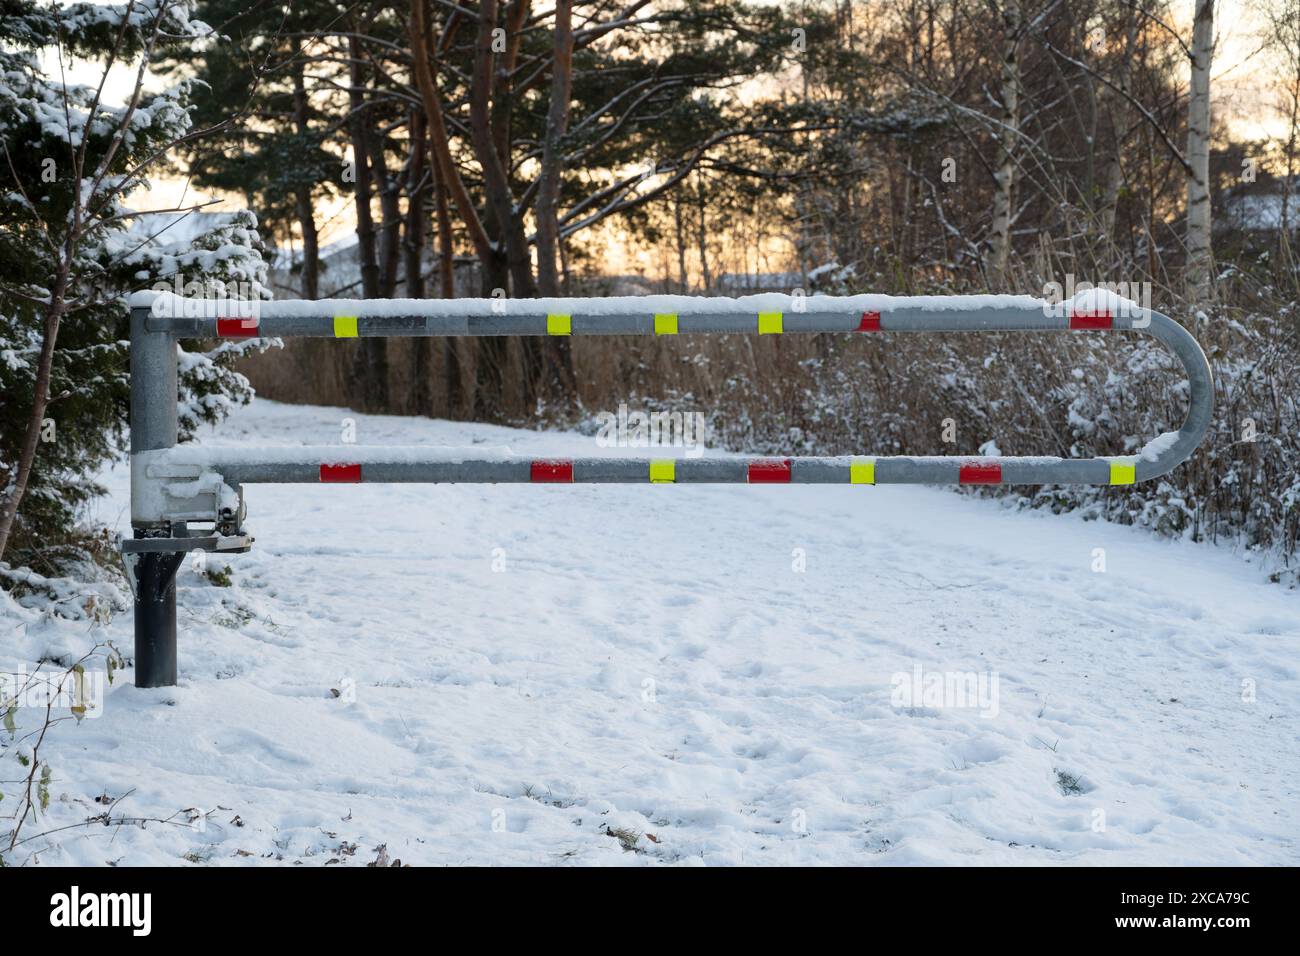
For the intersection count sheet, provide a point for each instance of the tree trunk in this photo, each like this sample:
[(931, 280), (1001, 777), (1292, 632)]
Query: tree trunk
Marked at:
[(1198, 154), (303, 196), (1293, 134), (490, 367), (551, 174), (496, 179), (417, 194), (489, 119), (503, 106), (310, 275), (679, 224), (421, 38), (558, 370), (368, 385), (447, 289), (701, 237), (566, 274), (1004, 175), (359, 131), (486, 400), (1113, 172), (420, 401), (17, 485), (390, 211)]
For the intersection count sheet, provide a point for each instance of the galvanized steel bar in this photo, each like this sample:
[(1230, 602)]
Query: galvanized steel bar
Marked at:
[(671, 315)]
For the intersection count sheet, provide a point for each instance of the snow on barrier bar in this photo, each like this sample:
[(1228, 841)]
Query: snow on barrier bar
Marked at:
[(769, 314), (172, 486)]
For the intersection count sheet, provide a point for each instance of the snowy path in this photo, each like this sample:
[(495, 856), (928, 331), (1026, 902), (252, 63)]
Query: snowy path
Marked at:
[(650, 659)]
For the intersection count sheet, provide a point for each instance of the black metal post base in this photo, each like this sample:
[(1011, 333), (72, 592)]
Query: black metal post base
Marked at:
[(155, 618)]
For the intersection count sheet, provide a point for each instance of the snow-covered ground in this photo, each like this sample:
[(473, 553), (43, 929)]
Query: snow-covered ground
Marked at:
[(502, 674)]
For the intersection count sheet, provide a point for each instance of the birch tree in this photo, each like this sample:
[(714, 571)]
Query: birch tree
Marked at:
[(557, 124), (1004, 175), (1198, 153)]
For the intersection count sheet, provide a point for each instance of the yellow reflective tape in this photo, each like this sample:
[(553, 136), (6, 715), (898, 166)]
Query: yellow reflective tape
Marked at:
[(663, 471), (769, 323), (1123, 471), (862, 471), (345, 326), (559, 324), (665, 323)]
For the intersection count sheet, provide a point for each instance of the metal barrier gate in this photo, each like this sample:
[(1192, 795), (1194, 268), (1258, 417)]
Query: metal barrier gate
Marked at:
[(174, 485)]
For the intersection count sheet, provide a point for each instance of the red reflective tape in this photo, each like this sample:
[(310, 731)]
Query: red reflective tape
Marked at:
[(769, 470), (237, 328), (870, 322), (1091, 320), (341, 473), (552, 469), (981, 473)]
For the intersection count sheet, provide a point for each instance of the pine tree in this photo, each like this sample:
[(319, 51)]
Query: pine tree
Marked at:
[(276, 159), (71, 249)]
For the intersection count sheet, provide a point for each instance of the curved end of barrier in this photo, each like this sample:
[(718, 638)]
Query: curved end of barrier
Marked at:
[(1167, 452)]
